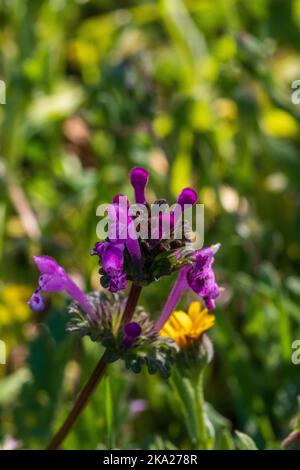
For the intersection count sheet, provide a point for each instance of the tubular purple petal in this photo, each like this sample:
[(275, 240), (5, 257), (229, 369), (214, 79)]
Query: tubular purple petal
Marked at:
[(139, 179), (54, 278), (119, 199), (73, 290), (179, 287), (123, 226), (47, 264), (134, 250), (187, 196)]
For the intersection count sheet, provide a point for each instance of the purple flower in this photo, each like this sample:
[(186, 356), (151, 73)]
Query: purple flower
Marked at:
[(111, 252), (54, 278), (205, 257), (115, 260), (198, 276), (164, 225), (121, 228), (117, 283), (139, 180), (187, 196), (131, 332), (10, 443), (112, 259), (137, 406), (99, 248), (203, 283), (37, 301)]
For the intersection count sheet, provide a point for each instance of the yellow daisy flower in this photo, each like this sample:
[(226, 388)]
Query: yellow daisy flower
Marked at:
[(186, 328)]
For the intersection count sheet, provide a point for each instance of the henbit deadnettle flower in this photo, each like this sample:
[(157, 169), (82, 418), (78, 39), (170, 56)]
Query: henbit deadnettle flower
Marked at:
[(198, 276), (112, 264), (120, 226), (111, 252), (136, 259), (54, 278)]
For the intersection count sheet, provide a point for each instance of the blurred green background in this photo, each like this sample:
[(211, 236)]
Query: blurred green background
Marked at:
[(199, 93)]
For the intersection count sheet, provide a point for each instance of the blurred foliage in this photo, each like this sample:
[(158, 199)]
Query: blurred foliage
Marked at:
[(198, 92)]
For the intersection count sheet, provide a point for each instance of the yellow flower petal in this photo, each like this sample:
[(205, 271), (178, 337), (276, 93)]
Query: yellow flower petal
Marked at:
[(168, 330), (181, 321), (184, 328), (194, 310), (198, 320)]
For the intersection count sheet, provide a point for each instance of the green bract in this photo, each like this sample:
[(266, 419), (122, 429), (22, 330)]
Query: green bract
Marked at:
[(149, 349)]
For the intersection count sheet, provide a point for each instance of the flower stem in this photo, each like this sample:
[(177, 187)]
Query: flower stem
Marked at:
[(199, 401), (95, 378), (79, 405), (131, 304)]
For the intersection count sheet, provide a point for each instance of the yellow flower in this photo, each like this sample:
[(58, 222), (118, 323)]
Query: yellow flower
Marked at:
[(13, 304), (186, 328)]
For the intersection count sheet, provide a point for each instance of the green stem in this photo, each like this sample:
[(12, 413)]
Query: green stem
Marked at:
[(200, 403)]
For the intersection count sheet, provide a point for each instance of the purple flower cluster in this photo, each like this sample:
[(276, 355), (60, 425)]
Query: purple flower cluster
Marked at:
[(122, 241), (123, 256), (111, 252)]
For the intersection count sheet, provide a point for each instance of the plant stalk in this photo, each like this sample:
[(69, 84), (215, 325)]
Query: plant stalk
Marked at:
[(199, 401), (95, 378)]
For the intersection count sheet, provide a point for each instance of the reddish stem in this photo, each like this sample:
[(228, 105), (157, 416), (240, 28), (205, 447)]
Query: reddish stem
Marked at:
[(95, 378)]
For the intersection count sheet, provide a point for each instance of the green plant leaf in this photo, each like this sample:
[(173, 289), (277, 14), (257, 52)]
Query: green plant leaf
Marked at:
[(244, 442)]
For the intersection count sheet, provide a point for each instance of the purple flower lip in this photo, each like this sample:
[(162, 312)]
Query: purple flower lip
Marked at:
[(117, 283), (187, 196), (113, 260), (37, 301), (139, 179)]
